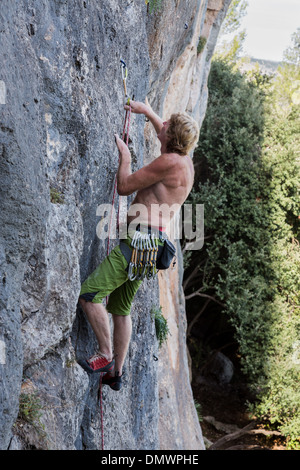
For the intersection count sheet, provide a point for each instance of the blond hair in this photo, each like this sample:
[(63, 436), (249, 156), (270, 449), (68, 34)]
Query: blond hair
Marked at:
[(182, 133)]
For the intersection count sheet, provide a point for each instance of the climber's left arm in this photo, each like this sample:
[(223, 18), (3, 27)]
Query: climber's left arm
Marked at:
[(124, 170), (128, 182)]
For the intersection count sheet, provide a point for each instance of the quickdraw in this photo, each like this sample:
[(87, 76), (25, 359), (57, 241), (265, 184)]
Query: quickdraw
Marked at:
[(124, 74), (143, 257)]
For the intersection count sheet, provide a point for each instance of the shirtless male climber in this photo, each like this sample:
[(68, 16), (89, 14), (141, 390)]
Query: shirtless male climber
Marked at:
[(166, 180)]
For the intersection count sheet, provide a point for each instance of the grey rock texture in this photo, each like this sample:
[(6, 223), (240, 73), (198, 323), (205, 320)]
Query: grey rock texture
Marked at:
[(63, 102)]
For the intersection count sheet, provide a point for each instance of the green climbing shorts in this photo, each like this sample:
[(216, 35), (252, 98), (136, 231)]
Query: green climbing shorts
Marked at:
[(110, 278)]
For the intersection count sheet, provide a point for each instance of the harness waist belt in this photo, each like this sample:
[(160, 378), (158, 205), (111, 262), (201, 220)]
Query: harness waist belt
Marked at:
[(159, 232)]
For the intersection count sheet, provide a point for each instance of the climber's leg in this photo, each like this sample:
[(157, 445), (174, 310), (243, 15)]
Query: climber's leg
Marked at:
[(107, 277), (119, 305), (98, 318), (110, 278), (122, 335)]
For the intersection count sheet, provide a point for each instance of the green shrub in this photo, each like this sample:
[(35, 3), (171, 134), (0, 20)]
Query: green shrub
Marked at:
[(55, 196), (161, 325), (30, 408), (201, 44), (154, 5)]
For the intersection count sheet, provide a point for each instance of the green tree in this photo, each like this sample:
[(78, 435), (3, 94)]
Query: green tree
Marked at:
[(287, 84), (230, 266), (236, 11), (280, 395), (292, 53), (231, 40), (248, 270)]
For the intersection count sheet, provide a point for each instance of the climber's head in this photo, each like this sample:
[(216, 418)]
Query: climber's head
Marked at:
[(182, 134)]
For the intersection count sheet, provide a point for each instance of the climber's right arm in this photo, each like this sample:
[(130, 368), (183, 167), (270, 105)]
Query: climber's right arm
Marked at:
[(142, 108)]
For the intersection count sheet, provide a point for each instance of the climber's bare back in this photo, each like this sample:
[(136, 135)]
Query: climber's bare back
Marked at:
[(174, 181)]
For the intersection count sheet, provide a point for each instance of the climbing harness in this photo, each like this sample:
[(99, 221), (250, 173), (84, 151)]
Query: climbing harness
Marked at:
[(149, 252)]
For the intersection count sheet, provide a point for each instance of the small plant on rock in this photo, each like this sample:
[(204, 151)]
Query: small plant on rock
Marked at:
[(161, 325)]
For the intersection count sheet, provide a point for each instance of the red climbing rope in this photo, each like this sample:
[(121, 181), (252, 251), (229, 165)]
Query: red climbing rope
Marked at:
[(125, 138), (101, 411)]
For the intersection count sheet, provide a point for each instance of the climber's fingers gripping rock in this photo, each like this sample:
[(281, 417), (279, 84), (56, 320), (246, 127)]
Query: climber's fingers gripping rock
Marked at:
[(122, 147)]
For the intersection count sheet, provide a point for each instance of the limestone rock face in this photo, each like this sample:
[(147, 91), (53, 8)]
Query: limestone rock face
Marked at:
[(63, 103)]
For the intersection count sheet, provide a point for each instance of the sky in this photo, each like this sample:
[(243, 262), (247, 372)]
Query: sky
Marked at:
[(269, 26)]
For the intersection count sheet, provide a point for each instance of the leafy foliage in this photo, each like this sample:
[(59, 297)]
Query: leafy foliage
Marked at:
[(161, 325), (55, 196), (236, 12), (248, 180), (201, 44), (154, 5), (30, 408), (292, 53), (231, 39)]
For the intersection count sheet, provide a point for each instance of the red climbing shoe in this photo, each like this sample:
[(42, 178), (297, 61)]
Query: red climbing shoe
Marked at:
[(97, 363), (115, 382)]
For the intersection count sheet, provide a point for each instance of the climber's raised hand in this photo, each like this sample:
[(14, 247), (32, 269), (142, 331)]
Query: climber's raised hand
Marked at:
[(144, 108), (137, 107)]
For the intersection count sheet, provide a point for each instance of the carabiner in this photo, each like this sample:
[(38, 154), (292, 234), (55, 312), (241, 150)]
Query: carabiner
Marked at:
[(124, 69), (132, 272), (124, 74)]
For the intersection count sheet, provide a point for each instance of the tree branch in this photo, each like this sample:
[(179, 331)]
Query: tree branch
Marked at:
[(197, 293), (231, 437), (190, 277), (196, 317)]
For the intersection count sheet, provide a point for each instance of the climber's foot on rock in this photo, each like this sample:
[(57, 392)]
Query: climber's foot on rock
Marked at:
[(97, 363), (114, 381)]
